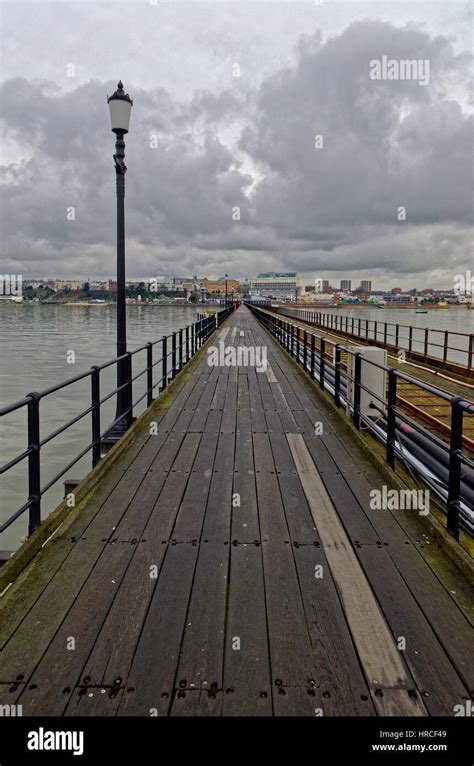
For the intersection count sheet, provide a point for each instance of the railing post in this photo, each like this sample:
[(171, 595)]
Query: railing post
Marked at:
[(337, 375), (187, 344), (391, 417), (322, 351), (357, 371), (455, 452), (305, 348), (164, 363), (180, 355), (129, 390), (385, 333), (95, 404), (149, 373), (397, 331), (410, 338), (173, 355), (34, 486), (445, 348), (193, 339), (470, 353), (426, 342), (313, 355)]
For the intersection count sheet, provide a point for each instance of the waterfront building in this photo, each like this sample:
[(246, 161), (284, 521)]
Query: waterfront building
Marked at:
[(274, 284)]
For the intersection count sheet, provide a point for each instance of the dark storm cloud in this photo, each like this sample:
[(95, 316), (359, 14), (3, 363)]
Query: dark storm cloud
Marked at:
[(374, 158), (386, 144)]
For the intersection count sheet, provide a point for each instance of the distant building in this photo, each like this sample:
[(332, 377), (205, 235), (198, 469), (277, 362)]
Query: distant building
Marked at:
[(218, 285), (67, 284), (397, 298), (346, 285), (274, 284), (396, 290), (366, 286)]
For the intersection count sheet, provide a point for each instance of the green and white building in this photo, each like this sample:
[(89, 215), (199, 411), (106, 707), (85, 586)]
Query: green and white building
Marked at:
[(275, 284)]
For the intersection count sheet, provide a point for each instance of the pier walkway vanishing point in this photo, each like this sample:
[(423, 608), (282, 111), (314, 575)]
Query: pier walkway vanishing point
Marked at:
[(229, 562)]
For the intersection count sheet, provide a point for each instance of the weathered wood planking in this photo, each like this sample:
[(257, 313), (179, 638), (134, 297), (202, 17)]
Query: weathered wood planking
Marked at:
[(231, 564), (377, 649), (247, 687)]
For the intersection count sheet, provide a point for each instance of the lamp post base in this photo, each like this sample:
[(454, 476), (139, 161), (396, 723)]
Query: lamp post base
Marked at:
[(112, 435)]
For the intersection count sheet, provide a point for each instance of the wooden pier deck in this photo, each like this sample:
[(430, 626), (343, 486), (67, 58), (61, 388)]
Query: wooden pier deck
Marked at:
[(230, 564)]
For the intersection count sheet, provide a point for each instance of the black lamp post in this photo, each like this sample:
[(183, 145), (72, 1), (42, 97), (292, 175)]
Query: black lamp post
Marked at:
[(120, 106)]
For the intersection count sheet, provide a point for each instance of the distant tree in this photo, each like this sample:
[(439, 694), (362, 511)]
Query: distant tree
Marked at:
[(193, 298), (86, 287)]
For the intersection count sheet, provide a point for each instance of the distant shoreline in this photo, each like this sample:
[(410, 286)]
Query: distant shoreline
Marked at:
[(75, 304)]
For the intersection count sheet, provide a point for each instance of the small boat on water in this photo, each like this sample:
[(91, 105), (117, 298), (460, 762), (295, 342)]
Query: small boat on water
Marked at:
[(421, 311)]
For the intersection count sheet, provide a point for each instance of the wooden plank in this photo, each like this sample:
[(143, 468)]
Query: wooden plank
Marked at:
[(447, 621), (265, 391), (27, 645), (288, 421), (202, 651), (356, 523), (191, 512), (298, 515), (94, 701), (340, 680), (247, 688), (218, 399), (375, 644), (114, 648), (217, 520), (175, 456), (229, 421), (439, 684), (256, 404), (273, 422), (271, 377), (243, 399), (273, 524), (51, 608), (292, 662), (10, 693), (61, 667), (112, 653), (198, 421), (197, 702), (245, 523), (152, 674)]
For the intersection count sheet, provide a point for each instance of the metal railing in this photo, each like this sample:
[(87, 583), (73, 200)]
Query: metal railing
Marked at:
[(446, 468), (177, 349), (446, 348)]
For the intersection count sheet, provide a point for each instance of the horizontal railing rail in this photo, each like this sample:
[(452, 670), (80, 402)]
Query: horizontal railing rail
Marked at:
[(177, 349), (445, 467), (449, 349)]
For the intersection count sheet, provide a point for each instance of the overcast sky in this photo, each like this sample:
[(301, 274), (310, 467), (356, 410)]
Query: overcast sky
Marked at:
[(204, 141)]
